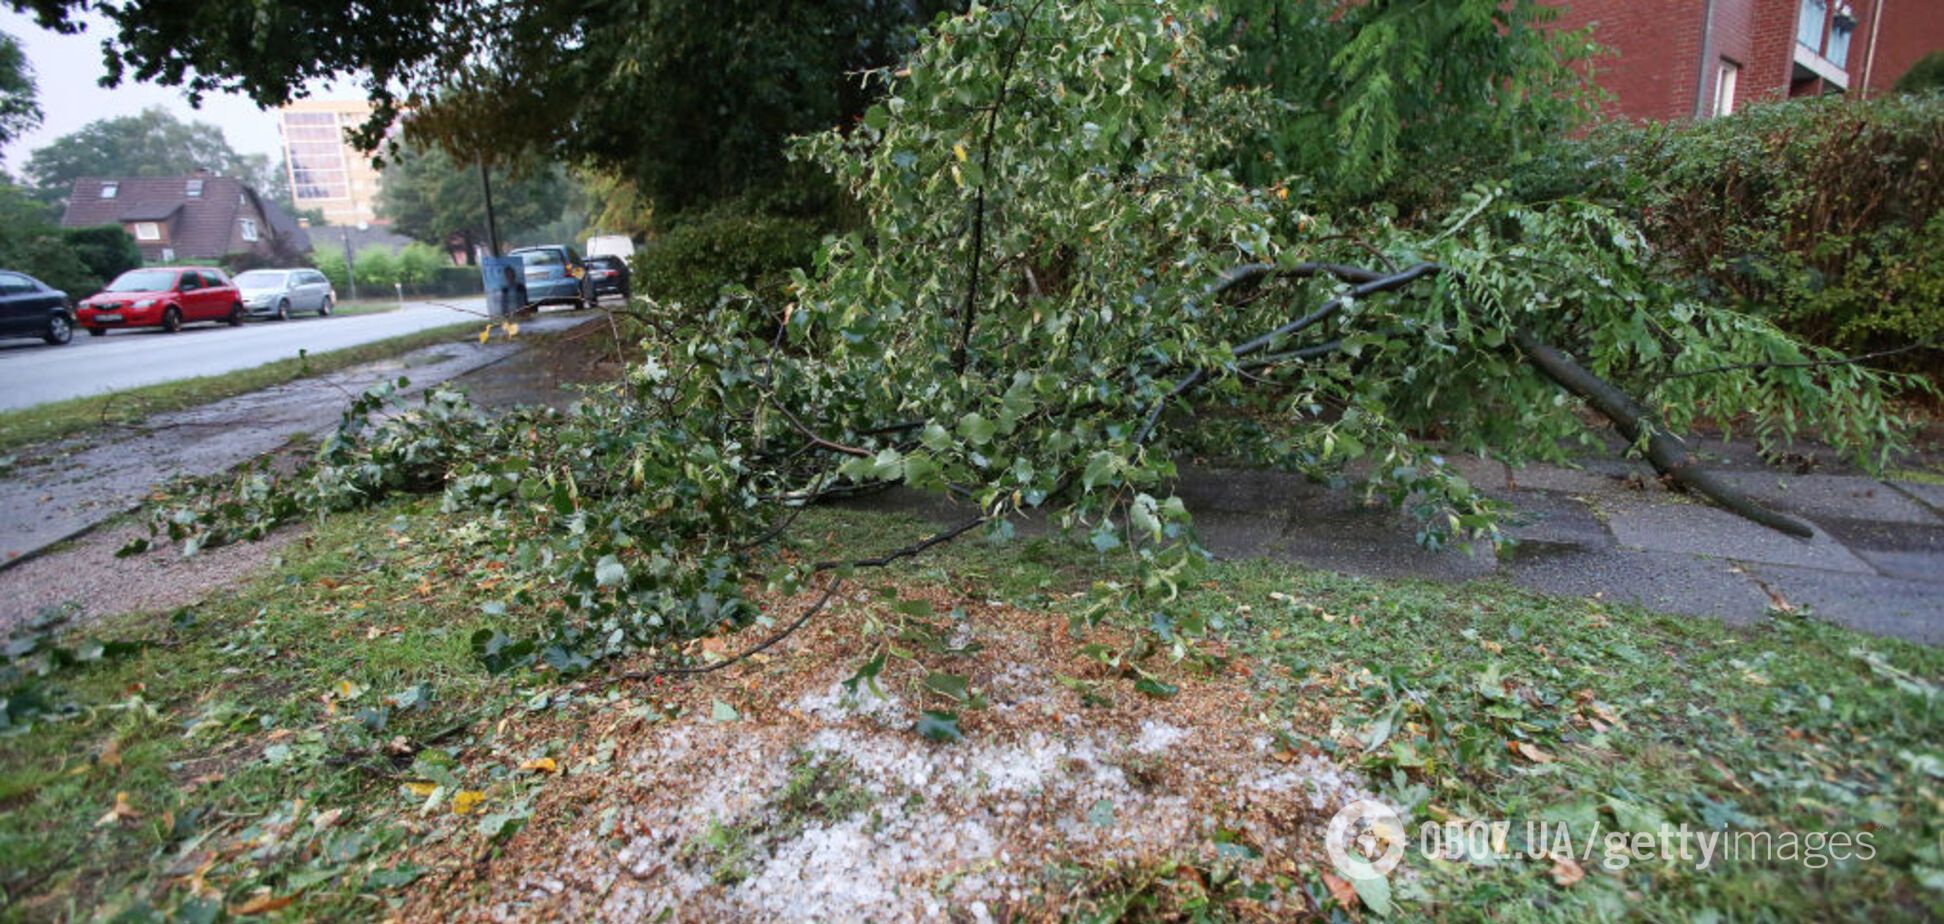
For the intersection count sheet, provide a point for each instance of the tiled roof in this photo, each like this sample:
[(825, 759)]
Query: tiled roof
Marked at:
[(200, 227)]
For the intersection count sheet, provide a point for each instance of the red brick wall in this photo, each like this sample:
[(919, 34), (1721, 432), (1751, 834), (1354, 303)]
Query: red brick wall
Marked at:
[(1911, 30), (1653, 53)]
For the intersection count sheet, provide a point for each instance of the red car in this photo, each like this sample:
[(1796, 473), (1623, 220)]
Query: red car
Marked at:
[(162, 296)]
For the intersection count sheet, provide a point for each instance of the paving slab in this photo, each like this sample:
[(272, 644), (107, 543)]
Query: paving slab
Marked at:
[(1896, 550), (1693, 529), (1931, 494), (1822, 497), (1543, 517), (1670, 582), (1897, 608)]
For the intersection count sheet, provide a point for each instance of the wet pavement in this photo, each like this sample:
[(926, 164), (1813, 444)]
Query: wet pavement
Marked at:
[(1610, 529), (59, 490)]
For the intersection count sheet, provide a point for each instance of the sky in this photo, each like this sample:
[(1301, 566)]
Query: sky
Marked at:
[(68, 70)]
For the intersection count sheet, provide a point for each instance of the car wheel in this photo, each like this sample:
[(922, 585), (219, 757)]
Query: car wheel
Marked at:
[(171, 321), (236, 315), (324, 309), (283, 310), (59, 331), (97, 331)]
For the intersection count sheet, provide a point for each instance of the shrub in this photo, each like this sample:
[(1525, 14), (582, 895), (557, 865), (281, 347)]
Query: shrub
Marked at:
[(1820, 214), (106, 250), (330, 262), (377, 267), (418, 264), (731, 244), (1924, 76)]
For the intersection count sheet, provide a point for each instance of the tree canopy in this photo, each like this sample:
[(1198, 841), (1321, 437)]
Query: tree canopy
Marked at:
[(430, 197), (19, 95), (152, 143)]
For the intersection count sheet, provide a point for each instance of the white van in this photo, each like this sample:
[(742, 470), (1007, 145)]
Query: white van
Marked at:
[(610, 245)]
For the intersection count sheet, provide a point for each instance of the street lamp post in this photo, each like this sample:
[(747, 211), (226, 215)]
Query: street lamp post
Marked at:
[(492, 228), (350, 274)]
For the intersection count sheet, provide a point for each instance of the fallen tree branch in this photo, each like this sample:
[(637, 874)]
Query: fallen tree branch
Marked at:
[(1364, 290), (1809, 364), (1665, 451)]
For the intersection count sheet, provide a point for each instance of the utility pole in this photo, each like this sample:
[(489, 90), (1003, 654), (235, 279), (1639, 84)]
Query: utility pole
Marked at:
[(492, 229), (350, 274)]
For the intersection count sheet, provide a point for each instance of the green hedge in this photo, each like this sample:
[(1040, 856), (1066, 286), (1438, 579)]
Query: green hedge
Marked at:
[(1822, 214), (734, 243)]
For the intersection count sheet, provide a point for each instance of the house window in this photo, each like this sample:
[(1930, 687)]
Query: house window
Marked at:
[(1809, 24), (168, 254), (249, 229), (1840, 30), (108, 190), (148, 231), (194, 190), (1726, 78)]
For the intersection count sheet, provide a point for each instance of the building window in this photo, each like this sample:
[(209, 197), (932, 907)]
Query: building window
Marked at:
[(1841, 28), (1726, 78), (1809, 25), (194, 189), (147, 231), (108, 190), (249, 230), (168, 254)]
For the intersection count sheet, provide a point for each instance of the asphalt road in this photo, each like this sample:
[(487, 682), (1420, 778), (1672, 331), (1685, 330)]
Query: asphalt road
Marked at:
[(31, 372)]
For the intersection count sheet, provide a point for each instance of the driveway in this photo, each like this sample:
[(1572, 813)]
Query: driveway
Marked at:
[(33, 373)]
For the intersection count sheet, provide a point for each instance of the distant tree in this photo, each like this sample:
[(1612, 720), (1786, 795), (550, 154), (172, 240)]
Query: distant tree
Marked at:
[(429, 197), (152, 143), (1926, 75), (19, 97), (691, 100)]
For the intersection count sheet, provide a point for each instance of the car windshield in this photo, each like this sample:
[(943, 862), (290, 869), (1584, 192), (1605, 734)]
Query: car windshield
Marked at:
[(540, 257), (260, 279), (143, 281)]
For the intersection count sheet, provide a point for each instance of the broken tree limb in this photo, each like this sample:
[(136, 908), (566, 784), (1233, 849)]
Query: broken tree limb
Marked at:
[(1665, 451)]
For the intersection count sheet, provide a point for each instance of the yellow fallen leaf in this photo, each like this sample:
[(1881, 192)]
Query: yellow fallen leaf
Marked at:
[(325, 820), (512, 329), (541, 764), (1532, 753), (1566, 871), (488, 332), (422, 789), (122, 811), (262, 904), (465, 800), (958, 151)]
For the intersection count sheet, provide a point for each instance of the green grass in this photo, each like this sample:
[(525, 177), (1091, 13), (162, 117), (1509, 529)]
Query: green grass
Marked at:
[(1424, 687), (57, 419), (251, 715)]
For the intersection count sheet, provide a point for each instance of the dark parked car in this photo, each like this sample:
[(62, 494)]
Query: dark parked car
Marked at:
[(554, 273), (163, 296), (30, 308), (610, 276)]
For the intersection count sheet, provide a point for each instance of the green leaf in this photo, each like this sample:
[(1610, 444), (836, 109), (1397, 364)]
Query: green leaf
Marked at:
[(936, 438), (723, 712), (1375, 891), (1101, 469), (609, 572), (1156, 688), (939, 726), (976, 429), (950, 686)]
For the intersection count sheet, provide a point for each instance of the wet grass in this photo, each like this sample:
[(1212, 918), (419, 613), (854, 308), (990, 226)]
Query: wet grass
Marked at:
[(343, 679), (55, 420)]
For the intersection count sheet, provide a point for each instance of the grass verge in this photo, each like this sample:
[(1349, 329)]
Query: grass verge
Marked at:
[(54, 420), (283, 747)]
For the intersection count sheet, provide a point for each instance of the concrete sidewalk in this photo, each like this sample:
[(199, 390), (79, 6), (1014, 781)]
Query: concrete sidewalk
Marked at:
[(1611, 530), (65, 488)]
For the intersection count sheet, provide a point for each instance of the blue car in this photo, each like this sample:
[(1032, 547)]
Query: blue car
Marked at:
[(554, 275)]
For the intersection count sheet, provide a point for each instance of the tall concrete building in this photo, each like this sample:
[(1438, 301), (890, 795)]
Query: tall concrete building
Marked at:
[(326, 173), (1682, 59)]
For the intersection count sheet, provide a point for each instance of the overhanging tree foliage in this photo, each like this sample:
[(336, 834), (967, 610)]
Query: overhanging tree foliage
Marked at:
[(1061, 290)]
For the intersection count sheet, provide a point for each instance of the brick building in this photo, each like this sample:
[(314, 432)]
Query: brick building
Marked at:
[(1681, 59)]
